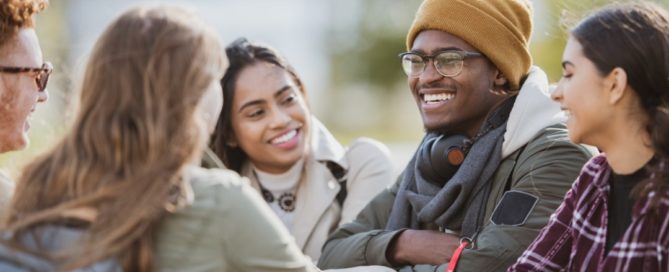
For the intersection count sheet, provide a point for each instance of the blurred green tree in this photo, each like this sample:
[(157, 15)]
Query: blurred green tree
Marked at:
[(368, 52), (560, 16)]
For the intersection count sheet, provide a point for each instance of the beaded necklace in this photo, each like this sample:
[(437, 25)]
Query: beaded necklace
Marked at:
[(287, 200)]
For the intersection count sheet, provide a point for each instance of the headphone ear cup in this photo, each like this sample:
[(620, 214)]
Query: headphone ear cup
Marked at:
[(425, 161), (446, 155), (455, 155)]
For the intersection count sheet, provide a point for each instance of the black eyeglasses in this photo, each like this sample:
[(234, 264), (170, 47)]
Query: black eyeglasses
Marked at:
[(448, 63), (41, 74)]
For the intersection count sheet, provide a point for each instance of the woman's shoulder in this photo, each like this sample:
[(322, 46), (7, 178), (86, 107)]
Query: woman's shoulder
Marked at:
[(368, 158), (595, 170), (214, 177), (367, 149), (213, 187), (593, 177)]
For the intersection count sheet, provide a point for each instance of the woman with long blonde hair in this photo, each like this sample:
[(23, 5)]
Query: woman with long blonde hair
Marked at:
[(123, 180)]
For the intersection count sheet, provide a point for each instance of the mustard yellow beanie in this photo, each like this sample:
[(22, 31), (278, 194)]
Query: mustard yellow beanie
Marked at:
[(500, 29)]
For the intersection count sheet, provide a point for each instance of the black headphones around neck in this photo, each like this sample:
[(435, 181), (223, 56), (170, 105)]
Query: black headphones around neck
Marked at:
[(440, 156)]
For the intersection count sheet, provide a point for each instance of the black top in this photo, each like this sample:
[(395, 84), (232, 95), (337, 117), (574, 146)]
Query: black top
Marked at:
[(621, 204)]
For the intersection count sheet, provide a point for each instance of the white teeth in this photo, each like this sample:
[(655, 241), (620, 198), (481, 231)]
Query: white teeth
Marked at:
[(284, 138), (434, 98)]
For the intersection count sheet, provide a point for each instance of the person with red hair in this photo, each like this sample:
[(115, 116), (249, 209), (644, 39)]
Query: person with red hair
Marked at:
[(23, 77)]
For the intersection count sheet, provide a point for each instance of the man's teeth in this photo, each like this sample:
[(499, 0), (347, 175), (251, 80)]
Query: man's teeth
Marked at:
[(284, 138), (433, 98)]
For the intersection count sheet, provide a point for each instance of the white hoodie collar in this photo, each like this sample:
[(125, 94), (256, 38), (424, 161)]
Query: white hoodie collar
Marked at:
[(533, 111)]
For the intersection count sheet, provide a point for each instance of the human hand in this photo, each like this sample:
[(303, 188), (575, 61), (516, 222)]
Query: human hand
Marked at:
[(414, 247)]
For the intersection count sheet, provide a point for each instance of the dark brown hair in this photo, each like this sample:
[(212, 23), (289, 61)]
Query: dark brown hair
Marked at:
[(635, 37), (241, 54)]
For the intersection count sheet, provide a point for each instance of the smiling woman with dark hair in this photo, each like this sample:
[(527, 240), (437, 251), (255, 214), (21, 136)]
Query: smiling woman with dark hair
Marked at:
[(122, 188), (615, 92), (267, 133)]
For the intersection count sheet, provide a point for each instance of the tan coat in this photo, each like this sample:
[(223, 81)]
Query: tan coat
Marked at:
[(317, 212)]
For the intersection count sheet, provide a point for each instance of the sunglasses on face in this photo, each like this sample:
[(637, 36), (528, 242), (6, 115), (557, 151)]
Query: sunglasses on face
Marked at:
[(41, 74)]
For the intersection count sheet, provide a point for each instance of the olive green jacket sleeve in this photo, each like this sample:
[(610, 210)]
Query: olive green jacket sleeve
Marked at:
[(545, 168), (228, 227), (363, 241)]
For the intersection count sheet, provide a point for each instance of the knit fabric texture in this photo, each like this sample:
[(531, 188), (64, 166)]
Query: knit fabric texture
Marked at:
[(500, 29)]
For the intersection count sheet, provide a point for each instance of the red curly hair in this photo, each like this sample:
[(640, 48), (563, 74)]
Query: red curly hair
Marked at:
[(17, 14)]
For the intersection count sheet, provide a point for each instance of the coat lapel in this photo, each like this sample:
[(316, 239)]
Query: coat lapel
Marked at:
[(247, 172), (318, 190), (315, 196)]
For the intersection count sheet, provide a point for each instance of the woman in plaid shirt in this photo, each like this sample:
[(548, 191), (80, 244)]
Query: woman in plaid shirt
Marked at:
[(615, 92)]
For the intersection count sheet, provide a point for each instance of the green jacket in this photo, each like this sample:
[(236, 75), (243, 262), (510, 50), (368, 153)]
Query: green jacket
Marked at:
[(226, 227), (545, 167)]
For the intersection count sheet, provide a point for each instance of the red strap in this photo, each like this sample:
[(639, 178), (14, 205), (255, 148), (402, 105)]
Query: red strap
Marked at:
[(456, 255)]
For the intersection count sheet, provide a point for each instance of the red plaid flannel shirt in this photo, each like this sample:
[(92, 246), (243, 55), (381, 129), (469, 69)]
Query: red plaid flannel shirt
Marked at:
[(575, 236)]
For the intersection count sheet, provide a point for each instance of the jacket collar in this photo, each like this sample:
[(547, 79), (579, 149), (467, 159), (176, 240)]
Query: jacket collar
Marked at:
[(325, 147), (533, 111), (599, 170), (318, 190), (322, 145)]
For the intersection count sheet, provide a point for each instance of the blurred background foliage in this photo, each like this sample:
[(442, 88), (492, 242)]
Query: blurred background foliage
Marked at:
[(360, 91), (371, 64)]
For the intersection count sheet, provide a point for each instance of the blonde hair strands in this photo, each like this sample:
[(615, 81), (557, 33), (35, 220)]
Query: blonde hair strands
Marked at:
[(133, 135)]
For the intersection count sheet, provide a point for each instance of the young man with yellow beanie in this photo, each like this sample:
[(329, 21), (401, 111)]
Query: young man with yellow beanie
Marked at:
[(469, 70)]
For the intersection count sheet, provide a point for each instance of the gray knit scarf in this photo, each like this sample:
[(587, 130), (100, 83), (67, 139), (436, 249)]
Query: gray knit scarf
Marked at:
[(456, 204)]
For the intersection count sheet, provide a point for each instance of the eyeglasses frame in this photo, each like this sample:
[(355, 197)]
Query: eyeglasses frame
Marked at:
[(427, 58), (45, 70)]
